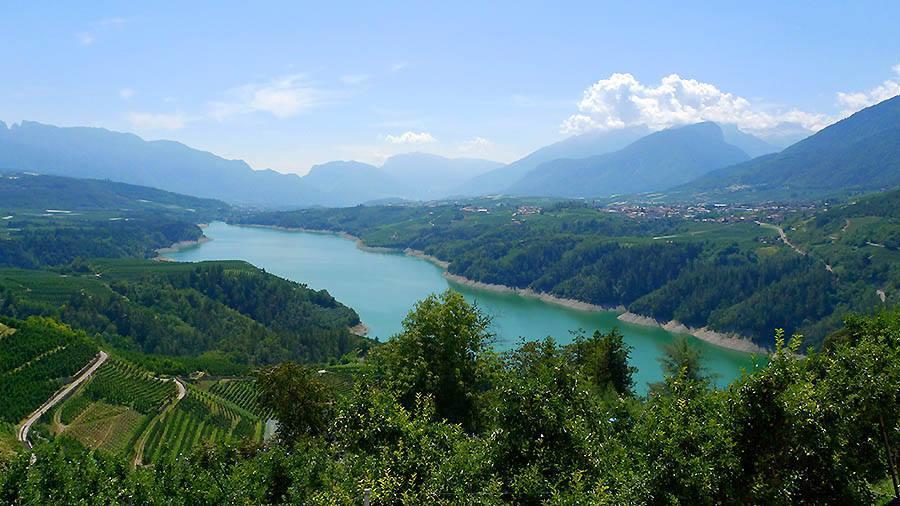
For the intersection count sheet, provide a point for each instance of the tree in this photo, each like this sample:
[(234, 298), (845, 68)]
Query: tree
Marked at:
[(297, 397), (681, 359), (604, 360), (443, 352)]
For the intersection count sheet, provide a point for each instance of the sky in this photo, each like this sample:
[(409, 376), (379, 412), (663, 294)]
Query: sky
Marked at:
[(286, 85)]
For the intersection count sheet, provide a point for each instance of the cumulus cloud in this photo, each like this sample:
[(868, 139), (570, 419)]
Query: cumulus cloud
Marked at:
[(854, 101), (158, 121), (282, 97), (126, 93), (475, 144), (411, 137), (621, 100)]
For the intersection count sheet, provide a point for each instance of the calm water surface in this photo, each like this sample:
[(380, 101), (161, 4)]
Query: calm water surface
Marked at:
[(382, 287)]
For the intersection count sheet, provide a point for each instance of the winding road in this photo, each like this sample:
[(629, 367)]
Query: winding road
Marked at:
[(83, 376)]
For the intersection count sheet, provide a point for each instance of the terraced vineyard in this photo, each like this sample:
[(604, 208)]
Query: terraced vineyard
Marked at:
[(108, 427), (242, 392), (126, 384), (115, 407), (37, 360), (198, 418)]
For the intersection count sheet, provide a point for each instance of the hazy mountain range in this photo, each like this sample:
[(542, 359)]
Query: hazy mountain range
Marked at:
[(704, 160), (655, 162)]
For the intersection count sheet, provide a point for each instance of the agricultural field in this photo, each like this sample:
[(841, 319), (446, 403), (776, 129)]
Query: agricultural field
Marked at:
[(8, 443), (112, 410), (108, 427), (126, 384), (201, 417), (240, 391), (37, 359)]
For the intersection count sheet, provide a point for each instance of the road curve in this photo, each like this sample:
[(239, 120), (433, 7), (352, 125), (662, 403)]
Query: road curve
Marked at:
[(86, 373), (181, 390)]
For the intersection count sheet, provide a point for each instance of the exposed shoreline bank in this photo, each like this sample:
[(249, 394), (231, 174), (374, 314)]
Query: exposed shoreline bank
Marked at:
[(729, 341), (178, 246), (721, 339)]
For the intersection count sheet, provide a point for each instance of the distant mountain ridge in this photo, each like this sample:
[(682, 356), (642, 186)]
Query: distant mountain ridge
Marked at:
[(858, 153), (656, 162), (587, 144), (103, 154), (97, 153)]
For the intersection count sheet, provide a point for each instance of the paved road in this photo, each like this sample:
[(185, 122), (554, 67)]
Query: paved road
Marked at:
[(181, 390), (60, 395)]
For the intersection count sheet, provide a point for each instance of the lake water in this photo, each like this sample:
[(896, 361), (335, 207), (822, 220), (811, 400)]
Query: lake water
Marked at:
[(383, 287)]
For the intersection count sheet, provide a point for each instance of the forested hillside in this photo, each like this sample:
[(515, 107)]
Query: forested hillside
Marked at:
[(702, 272), (49, 220), (23, 192), (220, 316)]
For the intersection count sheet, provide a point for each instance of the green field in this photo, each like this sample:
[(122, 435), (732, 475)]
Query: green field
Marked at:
[(242, 392), (126, 384), (199, 418), (36, 361), (108, 427)]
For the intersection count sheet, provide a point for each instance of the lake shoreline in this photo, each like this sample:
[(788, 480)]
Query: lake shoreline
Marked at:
[(723, 340), (732, 342), (178, 246)]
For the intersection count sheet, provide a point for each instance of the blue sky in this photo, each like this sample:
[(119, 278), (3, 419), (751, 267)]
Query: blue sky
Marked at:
[(285, 85)]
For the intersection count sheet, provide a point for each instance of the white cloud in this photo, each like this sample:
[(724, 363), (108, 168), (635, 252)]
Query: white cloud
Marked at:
[(354, 79), (854, 101), (896, 69), (282, 97), (126, 93), (475, 144), (411, 138), (396, 67), (621, 101), (158, 121), (85, 38)]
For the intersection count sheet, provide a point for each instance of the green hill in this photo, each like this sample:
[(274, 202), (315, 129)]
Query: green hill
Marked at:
[(31, 192), (180, 317)]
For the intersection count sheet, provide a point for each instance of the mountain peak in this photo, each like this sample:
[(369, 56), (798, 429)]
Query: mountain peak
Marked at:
[(858, 153), (655, 162)]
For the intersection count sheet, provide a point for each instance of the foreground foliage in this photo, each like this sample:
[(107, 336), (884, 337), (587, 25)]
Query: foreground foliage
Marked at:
[(542, 424)]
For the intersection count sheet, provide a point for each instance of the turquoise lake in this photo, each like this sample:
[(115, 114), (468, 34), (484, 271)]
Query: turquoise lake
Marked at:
[(382, 287)]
